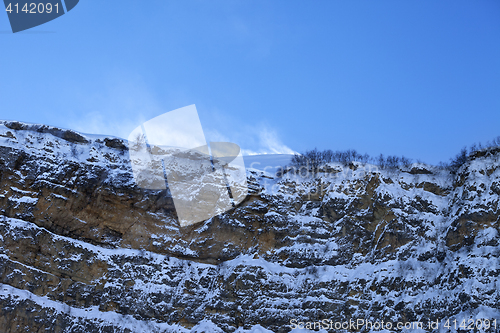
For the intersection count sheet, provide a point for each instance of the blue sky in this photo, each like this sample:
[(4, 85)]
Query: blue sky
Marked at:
[(419, 78)]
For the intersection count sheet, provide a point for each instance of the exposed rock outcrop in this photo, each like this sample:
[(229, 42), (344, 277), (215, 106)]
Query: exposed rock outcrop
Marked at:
[(83, 249)]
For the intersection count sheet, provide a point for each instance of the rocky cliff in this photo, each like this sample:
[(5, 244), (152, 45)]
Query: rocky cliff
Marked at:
[(83, 249)]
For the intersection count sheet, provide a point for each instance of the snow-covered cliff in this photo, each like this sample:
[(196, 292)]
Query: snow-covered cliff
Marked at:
[(83, 249)]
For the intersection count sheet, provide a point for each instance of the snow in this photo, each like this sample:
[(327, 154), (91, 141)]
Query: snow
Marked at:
[(27, 200), (398, 190), (91, 313), (269, 163), (53, 149)]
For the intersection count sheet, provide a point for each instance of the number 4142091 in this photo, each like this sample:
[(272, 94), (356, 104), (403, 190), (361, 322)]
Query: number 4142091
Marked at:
[(33, 8), (471, 324)]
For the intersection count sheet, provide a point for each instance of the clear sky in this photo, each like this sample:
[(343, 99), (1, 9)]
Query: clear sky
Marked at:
[(419, 78)]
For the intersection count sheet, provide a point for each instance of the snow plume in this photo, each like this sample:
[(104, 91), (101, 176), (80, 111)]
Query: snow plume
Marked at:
[(115, 107), (98, 124), (120, 104), (268, 142), (253, 140)]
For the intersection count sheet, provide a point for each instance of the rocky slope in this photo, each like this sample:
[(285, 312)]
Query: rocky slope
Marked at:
[(83, 249)]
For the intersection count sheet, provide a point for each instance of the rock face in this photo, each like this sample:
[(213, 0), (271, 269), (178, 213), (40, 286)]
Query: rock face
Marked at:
[(83, 249)]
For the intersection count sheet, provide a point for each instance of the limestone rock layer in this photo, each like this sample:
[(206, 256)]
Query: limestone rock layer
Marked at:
[(83, 249)]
